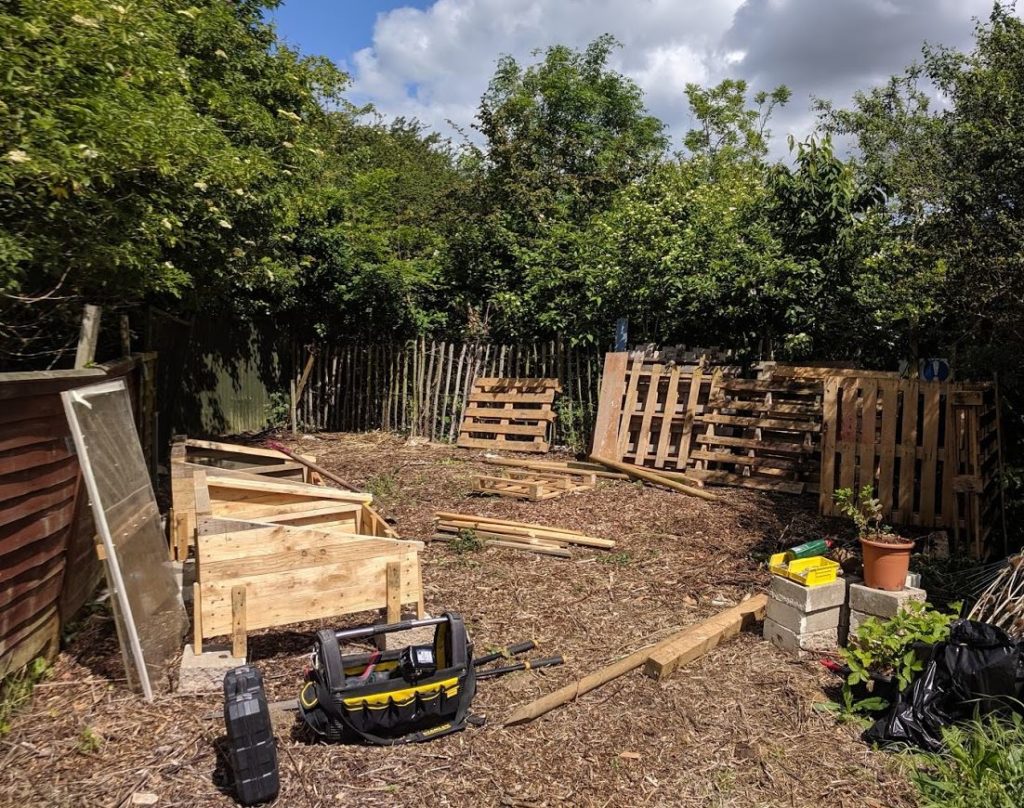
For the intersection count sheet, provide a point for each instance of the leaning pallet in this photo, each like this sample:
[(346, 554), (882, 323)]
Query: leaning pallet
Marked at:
[(534, 486), (514, 414), (270, 553)]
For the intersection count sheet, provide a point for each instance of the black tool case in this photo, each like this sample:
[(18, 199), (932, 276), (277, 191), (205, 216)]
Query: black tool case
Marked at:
[(252, 754)]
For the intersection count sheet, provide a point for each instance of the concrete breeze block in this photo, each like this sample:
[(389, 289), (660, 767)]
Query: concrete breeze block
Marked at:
[(791, 642), (204, 673), (880, 603), (808, 599), (800, 622)]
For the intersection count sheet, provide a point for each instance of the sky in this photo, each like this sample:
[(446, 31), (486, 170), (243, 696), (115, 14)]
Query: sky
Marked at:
[(432, 60)]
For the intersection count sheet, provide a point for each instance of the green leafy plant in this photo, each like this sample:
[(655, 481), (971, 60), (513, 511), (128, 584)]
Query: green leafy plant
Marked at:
[(466, 542), (983, 765), (16, 690), (864, 509), (888, 647), (382, 486), (622, 559), (89, 741)]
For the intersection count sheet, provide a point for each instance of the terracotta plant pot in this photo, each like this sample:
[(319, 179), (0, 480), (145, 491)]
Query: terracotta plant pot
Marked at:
[(886, 565)]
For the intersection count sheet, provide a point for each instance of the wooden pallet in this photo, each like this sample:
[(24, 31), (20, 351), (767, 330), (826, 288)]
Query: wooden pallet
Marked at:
[(760, 433), (930, 450), (514, 414), (647, 411), (533, 485)]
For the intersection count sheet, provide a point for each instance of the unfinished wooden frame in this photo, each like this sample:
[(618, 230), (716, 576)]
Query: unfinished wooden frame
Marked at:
[(535, 486), (269, 553), (514, 414)]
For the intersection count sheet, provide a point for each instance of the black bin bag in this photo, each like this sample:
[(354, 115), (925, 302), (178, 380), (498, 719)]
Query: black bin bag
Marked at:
[(977, 670)]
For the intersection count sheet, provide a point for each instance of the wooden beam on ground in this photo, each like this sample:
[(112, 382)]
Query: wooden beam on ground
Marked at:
[(559, 468), (676, 645), (697, 641), (653, 478), (509, 543), (239, 641)]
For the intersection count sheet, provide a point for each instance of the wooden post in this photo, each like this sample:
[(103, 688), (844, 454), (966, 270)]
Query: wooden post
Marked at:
[(88, 336), (197, 620), (394, 591), (239, 644)]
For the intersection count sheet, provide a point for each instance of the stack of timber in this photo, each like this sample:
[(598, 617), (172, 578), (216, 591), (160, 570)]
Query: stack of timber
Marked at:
[(221, 461), (760, 433), (534, 486), (574, 467), (273, 552), (514, 535), (514, 414)]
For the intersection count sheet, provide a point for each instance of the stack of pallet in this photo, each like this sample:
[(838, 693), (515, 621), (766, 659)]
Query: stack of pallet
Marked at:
[(760, 433), (513, 535), (535, 486), (513, 414)]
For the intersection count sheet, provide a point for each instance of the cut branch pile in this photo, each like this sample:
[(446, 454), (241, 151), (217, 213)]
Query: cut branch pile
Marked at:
[(1002, 604), (514, 535)]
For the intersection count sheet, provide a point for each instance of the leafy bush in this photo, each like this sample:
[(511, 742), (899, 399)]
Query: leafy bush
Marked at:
[(983, 766), (467, 542), (888, 647), (863, 508)]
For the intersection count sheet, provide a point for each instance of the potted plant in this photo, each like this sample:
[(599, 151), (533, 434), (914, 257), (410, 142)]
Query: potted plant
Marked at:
[(886, 555)]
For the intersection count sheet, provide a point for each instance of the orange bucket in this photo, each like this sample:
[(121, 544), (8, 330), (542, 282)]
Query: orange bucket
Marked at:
[(886, 565)]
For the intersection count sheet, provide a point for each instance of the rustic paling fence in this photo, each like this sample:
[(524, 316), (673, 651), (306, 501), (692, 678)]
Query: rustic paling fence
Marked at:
[(420, 387)]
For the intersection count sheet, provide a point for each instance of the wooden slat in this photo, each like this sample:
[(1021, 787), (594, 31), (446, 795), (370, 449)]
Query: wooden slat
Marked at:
[(650, 408), (692, 398), (929, 461), (609, 410), (777, 447), (761, 423), (512, 414), (868, 438), (761, 484), (847, 442), (476, 427), (889, 391), (628, 409), (513, 398), (908, 442), (667, 415)]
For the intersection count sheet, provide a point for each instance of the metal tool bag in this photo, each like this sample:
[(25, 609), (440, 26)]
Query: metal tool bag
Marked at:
[(416, 694)]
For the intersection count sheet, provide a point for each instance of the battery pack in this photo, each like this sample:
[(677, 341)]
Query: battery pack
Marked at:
[(252, 754)]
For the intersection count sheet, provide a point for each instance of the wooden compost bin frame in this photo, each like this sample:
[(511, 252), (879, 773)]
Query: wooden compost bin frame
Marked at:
[(275, 552)]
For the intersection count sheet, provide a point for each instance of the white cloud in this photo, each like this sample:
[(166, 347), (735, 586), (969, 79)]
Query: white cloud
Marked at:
[(434, 64)]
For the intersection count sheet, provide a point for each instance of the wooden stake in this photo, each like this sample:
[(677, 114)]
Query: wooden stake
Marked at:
[(676, 645), (88, 336), (197, 620), (394, 591), (654, 478), (239, 643)]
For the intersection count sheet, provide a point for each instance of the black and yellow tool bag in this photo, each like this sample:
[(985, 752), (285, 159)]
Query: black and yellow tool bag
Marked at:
[(417, 694)]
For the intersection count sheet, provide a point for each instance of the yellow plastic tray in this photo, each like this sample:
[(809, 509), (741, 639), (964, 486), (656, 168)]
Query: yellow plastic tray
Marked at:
[(813, 571)]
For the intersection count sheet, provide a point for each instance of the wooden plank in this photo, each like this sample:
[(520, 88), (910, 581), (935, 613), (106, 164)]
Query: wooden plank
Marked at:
[(752, 461), (848, 433), (777, 447), (667, 417), (561, 468), (449, 515), (455, 525), (628, 410), (692, 400), (508, 543), (277, 548), (770, 386), (311, 593), (576, 689), (761, 423), (740, 481), (656, 479), (394, 591), (609, 408), (649, 410), (868, 433), (508, 444), (239, 645), (475, 427), (828, 427), (288, 488), (513, 398), (512, 414), (197, 619), (929, 461), (889, 392), (695, 642), (908, 442)]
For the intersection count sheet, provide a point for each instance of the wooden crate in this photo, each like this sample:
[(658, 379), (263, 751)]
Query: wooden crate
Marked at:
[(929, 449), (513, 414), (534, 486), (760, 433)]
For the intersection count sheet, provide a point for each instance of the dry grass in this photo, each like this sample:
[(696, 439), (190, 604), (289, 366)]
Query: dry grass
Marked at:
[(737, 728)]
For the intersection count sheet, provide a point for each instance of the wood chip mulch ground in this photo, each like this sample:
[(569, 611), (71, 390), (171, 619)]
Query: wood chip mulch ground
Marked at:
[(737, 728)]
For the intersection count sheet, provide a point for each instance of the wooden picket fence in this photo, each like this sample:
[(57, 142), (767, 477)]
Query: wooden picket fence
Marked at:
[(421, 387)]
